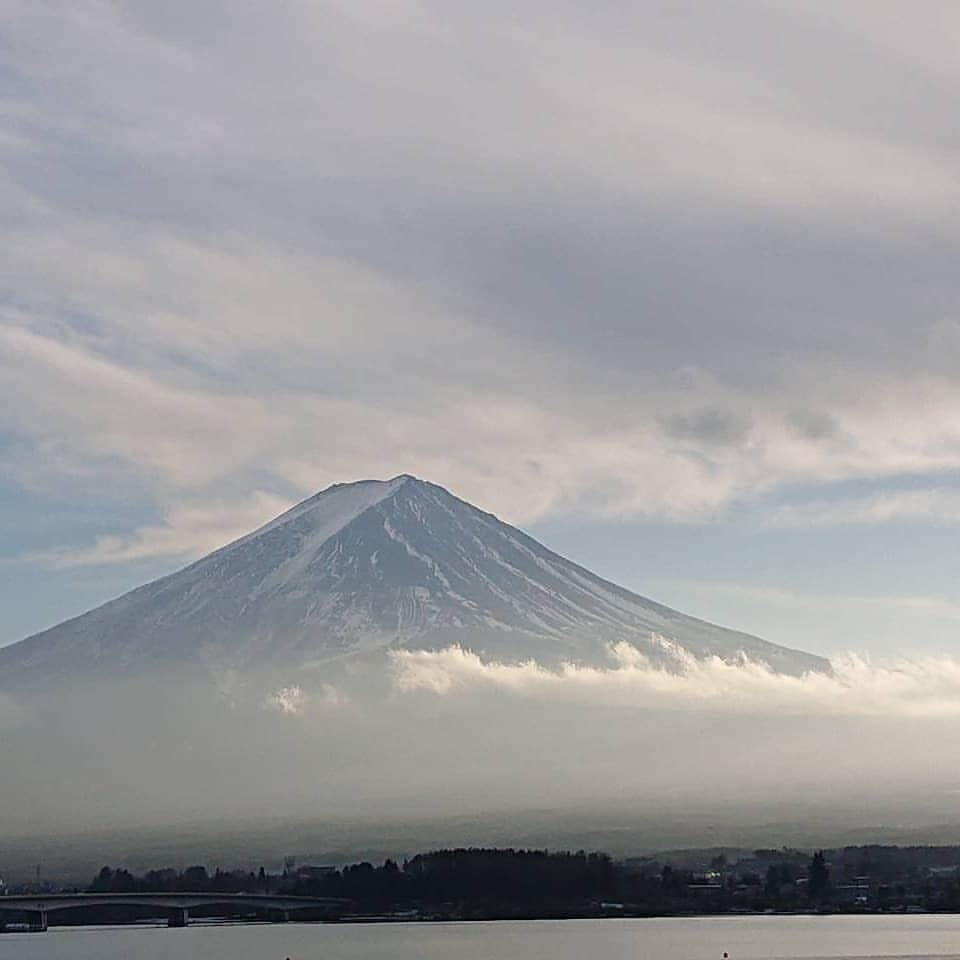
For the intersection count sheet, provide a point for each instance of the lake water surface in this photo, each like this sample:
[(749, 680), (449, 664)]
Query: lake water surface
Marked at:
[(744, 938)]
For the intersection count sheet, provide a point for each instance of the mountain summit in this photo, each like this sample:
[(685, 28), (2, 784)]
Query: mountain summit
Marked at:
[(371, 565)]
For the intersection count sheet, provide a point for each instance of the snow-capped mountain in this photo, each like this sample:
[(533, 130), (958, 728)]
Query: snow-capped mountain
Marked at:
[(371, 565)]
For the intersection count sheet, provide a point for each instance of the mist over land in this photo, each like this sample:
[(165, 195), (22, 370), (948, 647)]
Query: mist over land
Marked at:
[(377, 766)]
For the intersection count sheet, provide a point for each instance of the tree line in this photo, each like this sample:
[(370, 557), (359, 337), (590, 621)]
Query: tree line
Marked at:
[(487, 882)]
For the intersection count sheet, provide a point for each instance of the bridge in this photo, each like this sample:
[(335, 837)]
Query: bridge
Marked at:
[(175, 906)]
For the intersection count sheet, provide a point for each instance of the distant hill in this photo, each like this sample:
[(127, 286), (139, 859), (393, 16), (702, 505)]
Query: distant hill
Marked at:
[(366, 566)]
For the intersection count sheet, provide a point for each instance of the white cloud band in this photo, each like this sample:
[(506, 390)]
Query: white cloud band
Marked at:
[(908, 688)]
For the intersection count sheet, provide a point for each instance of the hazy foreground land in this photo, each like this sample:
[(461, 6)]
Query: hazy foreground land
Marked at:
[(72, 858)]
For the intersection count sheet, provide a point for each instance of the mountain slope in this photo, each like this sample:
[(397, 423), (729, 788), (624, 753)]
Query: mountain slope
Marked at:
[(368, 565)]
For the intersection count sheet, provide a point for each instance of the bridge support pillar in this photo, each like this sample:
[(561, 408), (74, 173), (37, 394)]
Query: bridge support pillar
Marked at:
[(178, 918), (38, 921)]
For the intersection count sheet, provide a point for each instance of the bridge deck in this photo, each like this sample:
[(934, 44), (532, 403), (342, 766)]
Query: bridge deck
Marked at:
[(48, 903)]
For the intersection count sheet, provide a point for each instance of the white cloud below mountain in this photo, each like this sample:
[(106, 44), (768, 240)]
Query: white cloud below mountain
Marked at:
[(928, 687)]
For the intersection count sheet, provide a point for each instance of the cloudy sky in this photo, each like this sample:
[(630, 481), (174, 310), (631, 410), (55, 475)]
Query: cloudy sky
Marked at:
[(672, 285)]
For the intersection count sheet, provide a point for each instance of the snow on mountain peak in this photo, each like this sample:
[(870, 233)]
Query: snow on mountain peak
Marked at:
[(370, 565), (333, 508)]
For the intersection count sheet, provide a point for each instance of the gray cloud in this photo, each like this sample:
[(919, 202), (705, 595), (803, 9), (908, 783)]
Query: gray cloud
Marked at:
[(935, 505), (617, 259)]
